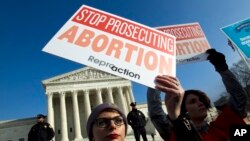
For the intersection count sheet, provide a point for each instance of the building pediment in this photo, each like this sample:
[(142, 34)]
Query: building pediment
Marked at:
[(83, 74)]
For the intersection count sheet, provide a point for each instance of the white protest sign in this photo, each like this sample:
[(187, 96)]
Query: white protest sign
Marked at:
[(116, 45), (191, 42)]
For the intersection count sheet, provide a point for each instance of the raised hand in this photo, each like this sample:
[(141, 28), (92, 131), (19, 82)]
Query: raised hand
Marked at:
[(174, 94)]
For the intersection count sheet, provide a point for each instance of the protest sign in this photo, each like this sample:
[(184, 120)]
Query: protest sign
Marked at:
[(191, 42), (239, 34), (116, 45)]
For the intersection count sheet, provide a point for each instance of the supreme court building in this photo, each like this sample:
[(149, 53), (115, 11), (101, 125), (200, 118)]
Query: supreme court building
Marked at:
[(70, 99), (72, 96)]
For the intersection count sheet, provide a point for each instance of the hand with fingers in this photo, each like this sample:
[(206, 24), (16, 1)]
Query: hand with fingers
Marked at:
[(174, 94)]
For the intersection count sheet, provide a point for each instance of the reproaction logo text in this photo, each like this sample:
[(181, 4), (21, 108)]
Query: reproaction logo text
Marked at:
[(122, 71)]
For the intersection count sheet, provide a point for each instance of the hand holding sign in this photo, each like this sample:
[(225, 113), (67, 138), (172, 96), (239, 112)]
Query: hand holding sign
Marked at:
[(217, 59)]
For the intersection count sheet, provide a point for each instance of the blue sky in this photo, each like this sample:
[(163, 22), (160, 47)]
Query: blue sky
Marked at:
[(26, 26)]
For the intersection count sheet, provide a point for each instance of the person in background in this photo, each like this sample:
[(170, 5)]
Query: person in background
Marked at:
[(137, 120), (106, 123), (41, 131), (187, 110)]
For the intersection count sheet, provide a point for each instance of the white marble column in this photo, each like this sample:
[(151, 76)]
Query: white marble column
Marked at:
[(50, 110), (99, 96), (77, 124), (121, 99), (64, 127), (86, 103), (127, 97), (110, 95), (131, 94)]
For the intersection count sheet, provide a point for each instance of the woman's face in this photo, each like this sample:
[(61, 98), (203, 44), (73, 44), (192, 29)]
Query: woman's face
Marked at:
[(196, 109), (112, 132)]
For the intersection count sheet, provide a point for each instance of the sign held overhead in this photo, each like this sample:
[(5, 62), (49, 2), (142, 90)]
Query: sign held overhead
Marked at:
[(239, 34), (191, 42), (115, 45)]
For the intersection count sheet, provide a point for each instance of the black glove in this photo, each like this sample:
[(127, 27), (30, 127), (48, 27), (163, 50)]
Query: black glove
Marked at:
[(217, 59)]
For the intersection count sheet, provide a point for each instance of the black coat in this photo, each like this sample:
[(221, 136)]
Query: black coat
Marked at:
[(136, 119), (41, 132)]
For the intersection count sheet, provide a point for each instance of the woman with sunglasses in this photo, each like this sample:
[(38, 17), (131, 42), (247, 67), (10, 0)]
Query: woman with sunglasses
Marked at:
[(107, 123)]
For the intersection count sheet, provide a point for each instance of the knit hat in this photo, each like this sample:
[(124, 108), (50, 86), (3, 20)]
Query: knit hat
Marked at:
[(95, 113)]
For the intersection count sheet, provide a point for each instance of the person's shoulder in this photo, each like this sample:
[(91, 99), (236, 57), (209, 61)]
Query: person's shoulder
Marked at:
[(139, 111), (35, 125), (48, 125)]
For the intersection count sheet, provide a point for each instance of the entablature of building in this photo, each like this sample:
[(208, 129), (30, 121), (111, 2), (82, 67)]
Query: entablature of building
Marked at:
[(83, 74), (83, 79), (87, 86)]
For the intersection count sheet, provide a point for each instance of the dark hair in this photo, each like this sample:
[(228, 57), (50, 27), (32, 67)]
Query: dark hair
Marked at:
[(202, 97)]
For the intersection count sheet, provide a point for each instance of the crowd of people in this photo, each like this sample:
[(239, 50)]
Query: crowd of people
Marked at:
[(185, 118)]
